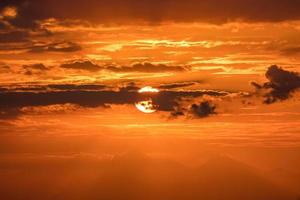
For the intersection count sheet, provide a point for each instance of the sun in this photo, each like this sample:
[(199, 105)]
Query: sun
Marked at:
[(148, 89), (147, 106)]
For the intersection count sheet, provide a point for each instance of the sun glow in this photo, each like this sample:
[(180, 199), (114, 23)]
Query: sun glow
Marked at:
[(148, 89)]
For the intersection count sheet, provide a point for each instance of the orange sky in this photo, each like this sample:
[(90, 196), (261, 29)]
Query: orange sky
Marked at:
[(227, 107)]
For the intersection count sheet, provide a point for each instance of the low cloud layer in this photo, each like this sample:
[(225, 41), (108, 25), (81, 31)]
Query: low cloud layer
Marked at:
[(177, 85), (189, 103), (63, 47), (82, 65), (35, 42), (87, 65), (147, 68), (90, 96), (38, 66)]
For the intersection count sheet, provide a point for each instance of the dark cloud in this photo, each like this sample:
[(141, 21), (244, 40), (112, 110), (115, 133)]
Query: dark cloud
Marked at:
[(177, 85), (9, 113), (177, 112), (26, 88), (82, 98), (256, 85), (195, 110), (89, 96), (147, 68), (38, 66), (139, 67), (2, 89), (63, 47), (28, 13), (281, 84), (165, 100), (77, 87), (203, 109), (130, 87), (133, 11), (82, 65), (55, 87), (4, 68), (171, 100), (35, 69), (14, 37), (291, 51), (2, 25)]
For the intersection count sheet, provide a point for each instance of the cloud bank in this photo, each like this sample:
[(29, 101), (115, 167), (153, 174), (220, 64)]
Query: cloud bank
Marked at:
[(152, 11), (90, 96)]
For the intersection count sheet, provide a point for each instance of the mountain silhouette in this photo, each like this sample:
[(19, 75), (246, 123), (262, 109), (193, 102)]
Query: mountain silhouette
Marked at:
[(136, 176), (220, 178)]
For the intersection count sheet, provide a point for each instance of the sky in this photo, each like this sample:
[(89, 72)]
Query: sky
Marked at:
[(149, 99)]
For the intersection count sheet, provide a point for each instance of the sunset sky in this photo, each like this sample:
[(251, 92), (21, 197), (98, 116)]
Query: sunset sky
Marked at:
[(150, 99)]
